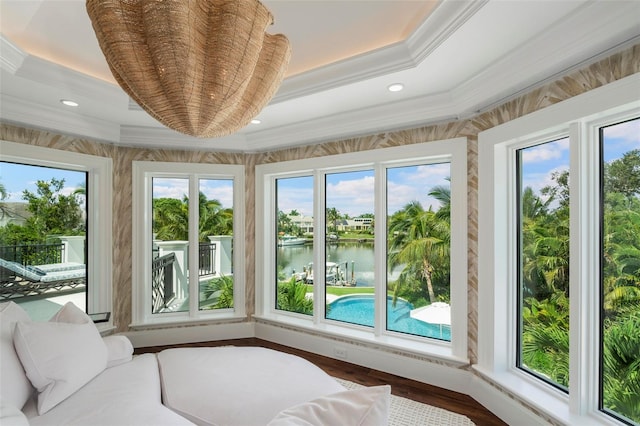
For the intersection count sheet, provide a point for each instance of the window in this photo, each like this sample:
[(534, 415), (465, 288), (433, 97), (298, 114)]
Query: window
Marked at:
[(620, 269), (543, 266), (557, 248), (190, 248), (55, 229), (384, 238), (294, 254), (419, 250)]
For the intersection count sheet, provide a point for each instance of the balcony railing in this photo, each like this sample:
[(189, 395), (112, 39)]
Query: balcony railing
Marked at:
[(33, 254), (162, 289), (206, 259), (39, 270)]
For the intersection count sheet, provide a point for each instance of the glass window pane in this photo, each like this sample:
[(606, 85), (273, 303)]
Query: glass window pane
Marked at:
[(43, 226), (543, 267), (294, 236), (215, 253), (418, 245), (349, 262), (169, 269), (620, 282)]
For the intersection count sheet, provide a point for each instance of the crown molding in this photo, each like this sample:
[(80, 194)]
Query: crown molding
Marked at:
[(448, 16), (75, 83), (388, 117), (12, 56), (569, 45), (444, 21), (162, 137), (19, 111)]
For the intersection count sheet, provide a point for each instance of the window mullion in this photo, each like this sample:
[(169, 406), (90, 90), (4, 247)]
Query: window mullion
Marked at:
[(380, 249), (584, 318), (319, 249), (194, 199)]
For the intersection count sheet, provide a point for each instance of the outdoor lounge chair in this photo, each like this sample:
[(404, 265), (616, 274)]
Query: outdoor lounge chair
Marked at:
[(17, 280)]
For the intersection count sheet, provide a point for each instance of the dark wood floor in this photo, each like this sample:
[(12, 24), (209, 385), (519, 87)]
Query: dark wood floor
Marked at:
[(400, 386)]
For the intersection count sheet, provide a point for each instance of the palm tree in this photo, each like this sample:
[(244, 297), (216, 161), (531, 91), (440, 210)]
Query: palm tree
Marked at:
[(421, 241), (218, 294), (332, 217), (3, 196), (292, 297), (621, 365), (545, 337), (171, 218)]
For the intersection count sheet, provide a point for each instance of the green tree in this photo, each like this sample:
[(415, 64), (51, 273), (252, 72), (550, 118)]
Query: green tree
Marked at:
[(218, 293), (292, 297), (333, 216), (53, 213), (420, 240), (171, 218), (621, 365), (545, 337), (623, 174)]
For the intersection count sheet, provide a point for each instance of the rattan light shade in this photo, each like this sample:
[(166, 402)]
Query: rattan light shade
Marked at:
[(201, 67)]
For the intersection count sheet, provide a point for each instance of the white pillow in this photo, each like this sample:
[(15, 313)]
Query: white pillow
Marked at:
[(360, 407), (15, 387), (119, 350), (10, 415), (60, 357), (71, 314)]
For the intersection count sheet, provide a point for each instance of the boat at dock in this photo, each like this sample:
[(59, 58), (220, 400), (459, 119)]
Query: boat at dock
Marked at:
[(336, 274), (291, 240)]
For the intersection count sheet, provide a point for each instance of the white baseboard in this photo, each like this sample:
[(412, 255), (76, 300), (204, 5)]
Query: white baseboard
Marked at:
[(194, 334), (508, 409), (433, 373)]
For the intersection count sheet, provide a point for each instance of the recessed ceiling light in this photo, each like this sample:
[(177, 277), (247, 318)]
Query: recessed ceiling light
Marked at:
[(69, 103), (395, 87), (255, 121)]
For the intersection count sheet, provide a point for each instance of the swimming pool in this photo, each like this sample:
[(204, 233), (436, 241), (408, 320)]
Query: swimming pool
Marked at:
[(359, 308)]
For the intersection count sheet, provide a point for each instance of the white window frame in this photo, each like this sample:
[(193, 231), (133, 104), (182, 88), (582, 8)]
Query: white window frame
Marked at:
[(453, 151), (99, 213), (580, 117), (143, 174)]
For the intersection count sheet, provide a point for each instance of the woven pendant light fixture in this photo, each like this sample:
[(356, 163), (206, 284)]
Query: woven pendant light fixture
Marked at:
[(202, 67)]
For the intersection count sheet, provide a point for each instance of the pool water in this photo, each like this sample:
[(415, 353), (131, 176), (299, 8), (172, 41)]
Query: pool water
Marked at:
[(359, 309)]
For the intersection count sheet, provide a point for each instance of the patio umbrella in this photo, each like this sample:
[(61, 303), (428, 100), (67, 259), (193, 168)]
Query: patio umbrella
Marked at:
[(435, 313)]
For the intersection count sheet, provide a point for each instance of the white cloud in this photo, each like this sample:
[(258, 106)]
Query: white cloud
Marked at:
[(353, 197), (218, 190), (545, 152), (170, 188), (628, 132)]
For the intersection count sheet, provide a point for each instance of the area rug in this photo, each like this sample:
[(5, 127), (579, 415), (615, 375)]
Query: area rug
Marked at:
[(406, 412)]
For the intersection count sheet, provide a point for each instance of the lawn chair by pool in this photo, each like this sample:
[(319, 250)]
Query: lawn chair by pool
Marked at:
[(17, 280)]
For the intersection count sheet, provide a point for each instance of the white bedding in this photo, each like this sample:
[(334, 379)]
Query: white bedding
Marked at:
[(238, 385), (127, 394)]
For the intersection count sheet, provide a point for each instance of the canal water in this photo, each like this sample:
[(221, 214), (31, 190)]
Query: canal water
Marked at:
[(358, 256)]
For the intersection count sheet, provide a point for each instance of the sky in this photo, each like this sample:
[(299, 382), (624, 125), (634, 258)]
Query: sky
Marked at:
[(352, 193), (213, 189), (541, 161), (18, 177), (349, 193)]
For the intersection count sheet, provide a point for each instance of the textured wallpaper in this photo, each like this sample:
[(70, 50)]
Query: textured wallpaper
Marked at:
[(597, 74)]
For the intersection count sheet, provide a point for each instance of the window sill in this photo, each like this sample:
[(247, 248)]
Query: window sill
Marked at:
[(106, 329), (414, 346), (182, 320), (542, 398)]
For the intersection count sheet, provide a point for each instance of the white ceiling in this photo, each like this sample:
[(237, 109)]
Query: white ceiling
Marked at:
[(454, 57)]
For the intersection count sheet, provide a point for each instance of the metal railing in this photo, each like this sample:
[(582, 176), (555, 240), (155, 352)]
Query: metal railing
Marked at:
[(162, 289), (33, 254), (207, 259)]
